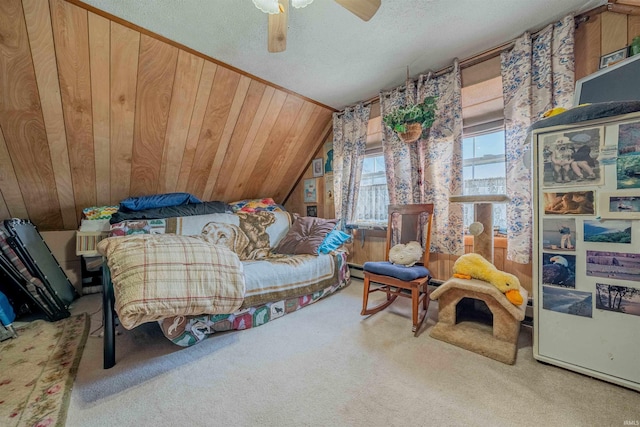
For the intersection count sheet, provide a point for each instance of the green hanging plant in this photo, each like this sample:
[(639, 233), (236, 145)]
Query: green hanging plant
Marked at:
[(424, 113)]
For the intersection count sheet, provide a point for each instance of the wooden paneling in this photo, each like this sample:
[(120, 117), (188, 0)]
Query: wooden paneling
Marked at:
[(99, 48), (440, 265), (38, 22), (633, 27), (614, 32), (286, 120), (255, 95), (227, 132), (156, 70), (22, 123), (234, 186), (11, 196), (220, 101), (94, 110), (183, 100), (71, 37), (125, 45), (249, 156), (587, 47), (195, 126)]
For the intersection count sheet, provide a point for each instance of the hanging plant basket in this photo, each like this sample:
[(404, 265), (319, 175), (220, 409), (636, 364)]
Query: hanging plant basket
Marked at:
[(413, 121), (414, 130)]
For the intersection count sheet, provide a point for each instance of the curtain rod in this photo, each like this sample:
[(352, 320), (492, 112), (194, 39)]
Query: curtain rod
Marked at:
[(494, 51)]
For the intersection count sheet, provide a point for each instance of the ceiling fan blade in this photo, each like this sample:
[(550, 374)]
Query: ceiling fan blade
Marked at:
[(277, 35), (363, 9)]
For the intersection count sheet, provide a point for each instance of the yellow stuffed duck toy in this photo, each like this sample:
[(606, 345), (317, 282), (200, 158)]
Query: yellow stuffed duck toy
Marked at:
[(474, 265)]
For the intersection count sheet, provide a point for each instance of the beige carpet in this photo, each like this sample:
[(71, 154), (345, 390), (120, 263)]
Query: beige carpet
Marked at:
[(326, 365), (38, 369)]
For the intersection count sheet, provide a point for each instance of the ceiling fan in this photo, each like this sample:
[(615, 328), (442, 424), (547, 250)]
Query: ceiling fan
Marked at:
[(278, 11)]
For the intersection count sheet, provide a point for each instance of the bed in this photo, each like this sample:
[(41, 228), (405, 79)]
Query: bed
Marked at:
[(201, 274)]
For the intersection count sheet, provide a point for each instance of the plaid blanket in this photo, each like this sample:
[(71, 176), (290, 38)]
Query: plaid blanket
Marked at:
[(156, 276)]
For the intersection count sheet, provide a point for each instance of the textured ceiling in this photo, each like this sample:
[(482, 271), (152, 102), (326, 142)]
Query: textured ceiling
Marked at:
[(332, 56)]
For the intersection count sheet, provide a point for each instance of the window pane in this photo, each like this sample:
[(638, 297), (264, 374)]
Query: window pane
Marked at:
[(368, 166), (484, 172), (490, 143), (373, 197)]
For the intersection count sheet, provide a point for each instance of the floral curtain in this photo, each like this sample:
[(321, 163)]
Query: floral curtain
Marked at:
[(349, 140), (537, 75), (430, 169)]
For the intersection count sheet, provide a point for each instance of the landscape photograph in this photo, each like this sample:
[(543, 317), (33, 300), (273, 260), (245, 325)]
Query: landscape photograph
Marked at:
[(609, 231), (628, 171), (621, 299), (568, 301), (613, 265)]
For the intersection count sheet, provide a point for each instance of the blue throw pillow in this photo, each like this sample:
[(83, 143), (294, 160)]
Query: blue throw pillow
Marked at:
[(134, 204), (333, 241)]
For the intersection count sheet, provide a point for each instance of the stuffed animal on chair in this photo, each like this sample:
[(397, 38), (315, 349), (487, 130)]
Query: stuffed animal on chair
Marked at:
[(475, 266), (406, 255)]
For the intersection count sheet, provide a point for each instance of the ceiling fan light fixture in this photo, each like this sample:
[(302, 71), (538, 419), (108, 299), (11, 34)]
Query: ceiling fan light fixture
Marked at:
[(271, 7), (300, 3)]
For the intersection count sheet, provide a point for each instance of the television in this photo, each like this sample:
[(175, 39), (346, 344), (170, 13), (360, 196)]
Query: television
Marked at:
[(618, 82)]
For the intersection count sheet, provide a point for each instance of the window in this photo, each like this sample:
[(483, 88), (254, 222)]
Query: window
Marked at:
[(373, 197), (484, 172)]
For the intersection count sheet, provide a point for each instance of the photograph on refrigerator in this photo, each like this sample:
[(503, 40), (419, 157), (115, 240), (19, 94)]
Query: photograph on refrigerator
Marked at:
[(614, 265), (559, 234), (571, 158), (568, 301), (607, 231), (619, 204), (559, 270), (569, 203), (621, 299), (628, 162)]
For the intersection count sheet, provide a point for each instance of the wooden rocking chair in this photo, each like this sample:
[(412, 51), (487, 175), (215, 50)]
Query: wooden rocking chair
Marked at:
[(406, 223)]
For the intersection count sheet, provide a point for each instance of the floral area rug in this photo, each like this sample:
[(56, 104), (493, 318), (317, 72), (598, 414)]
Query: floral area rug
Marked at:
[(37, 371)]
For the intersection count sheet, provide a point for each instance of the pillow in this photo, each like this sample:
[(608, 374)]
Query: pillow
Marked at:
[(156, 276), (134, 204), (305, 235), (333, 241), (257, 205)]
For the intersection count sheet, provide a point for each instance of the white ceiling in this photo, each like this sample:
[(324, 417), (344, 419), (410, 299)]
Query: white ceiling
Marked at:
[(332, 56)]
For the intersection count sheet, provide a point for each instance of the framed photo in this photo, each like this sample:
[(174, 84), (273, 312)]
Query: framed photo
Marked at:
[(613, 57), (572, 158), (310, 191), (619, 204), (312, 211), (318, 168)]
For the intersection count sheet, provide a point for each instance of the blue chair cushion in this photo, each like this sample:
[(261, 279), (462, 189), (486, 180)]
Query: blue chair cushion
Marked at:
[(400, 272)]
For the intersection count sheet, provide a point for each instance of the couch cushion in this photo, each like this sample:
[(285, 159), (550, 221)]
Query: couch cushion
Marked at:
[(401, 272), (305, 235)]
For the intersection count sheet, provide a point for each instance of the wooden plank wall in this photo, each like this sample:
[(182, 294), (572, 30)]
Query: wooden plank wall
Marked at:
[(94, 109), (602, 34)]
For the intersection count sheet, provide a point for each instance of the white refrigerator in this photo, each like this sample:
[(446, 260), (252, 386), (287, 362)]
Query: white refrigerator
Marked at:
[(586, 251)]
